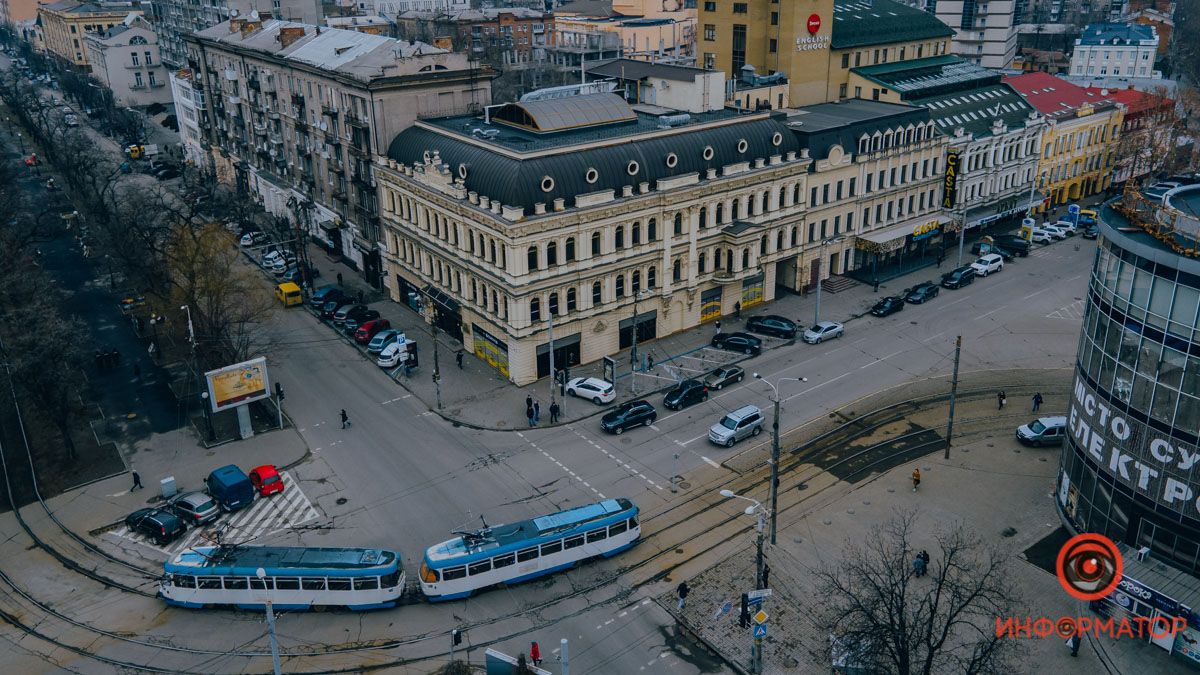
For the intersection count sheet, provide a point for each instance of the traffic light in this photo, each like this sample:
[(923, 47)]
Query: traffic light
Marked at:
[(279, 391), (456, 634)]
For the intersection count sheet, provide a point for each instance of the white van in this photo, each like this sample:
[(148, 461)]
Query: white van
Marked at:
[(393, 354), (1043, 431)]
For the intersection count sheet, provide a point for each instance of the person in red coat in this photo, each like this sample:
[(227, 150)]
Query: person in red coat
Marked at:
[(535, 654)]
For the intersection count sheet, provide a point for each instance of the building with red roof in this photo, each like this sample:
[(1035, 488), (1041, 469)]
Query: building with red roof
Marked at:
[(1149, 131)]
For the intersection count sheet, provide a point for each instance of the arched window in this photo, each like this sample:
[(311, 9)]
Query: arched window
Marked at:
[(729, 260), (620, 237), (482, 247), (700, 265), (782, 198), (569, 255), (474, 292), (720, 213), (532, 256), (762, 203), (636, 233), (495, 303), (717, 259), (779, 240), (762, 245), (745, 258), (554, 304), (651, 229), (620, 286), (535, 309), (595, 243), (796, 193), (703, 217), (636, 282), (472, 244), (492, 256), (677, 271), (736, 211), (678, 223), (571, 300), (651, 278), (552, 253), (597, 293)]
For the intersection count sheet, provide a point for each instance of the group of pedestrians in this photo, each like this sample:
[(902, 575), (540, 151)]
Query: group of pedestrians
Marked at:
[(921, 563), (533, 411)]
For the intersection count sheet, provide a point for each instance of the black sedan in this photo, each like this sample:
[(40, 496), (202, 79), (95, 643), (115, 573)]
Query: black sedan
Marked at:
[(627, 415), (922, 292), (738, 342), (888, 305), (772, 324), (331, 307), (723, 377), (356, 319), (1091, 231), (686, 393)]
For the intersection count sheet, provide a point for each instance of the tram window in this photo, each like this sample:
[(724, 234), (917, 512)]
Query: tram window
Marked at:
[(453, 573), (184, 581), (235, 583), (573, 542), (313, 583), (614, 530), (503, 560), (552, 547), (527, 554), (633, 522), (287, 584), (479, 567), (391, 580), (597, 535), (262, 584), (209, 582), (366, 584), (340, 584)]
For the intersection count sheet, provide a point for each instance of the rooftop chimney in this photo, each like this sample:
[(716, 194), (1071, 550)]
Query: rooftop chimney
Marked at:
[(235, 25), (249, 27), (289, 34)]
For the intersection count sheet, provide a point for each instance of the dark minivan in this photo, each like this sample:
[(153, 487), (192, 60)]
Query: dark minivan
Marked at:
[(231, 487), (1014, 244), (958, 278), (325, 294)]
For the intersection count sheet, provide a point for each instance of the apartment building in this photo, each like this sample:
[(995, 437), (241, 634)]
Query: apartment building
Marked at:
[(1078, 150), (295, 114), (1116, 50), (985, 31), (189, 107), (174, 19), (609, 219), (65, 26), (13, 12), (1150, 132), (125, 59), (511, 35)]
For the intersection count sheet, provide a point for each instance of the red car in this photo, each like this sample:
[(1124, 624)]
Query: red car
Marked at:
[(266, 480), (368, 330)]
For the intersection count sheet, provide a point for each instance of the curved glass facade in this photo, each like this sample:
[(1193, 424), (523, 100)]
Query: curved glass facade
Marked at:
[(1131, 462)]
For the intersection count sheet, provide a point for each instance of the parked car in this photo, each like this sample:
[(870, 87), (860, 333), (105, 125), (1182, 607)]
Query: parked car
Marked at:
[(723, 377), (983, 248), (1055, 231), (1091, 231), (963, 276), (254, 238), (1068, 227), (1043, 431), (70, 120), (195, 508), (1013, 243), (987, 264), (825, 330), (331, 308), (688, 392), (295, 274), (161, 169), (382, 339), (596, 390), (343, 312), (266, 480), (629, 414), (160, 525), (368, 329), (230, 488), (325, 294), (394, 354), (741, 423), (738, 342), (356, 319), (772, 324), (281, 264), (921, 292), (888, 305), (1041, 236)]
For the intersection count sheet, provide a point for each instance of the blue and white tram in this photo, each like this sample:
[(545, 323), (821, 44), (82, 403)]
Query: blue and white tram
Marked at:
[(296, 578), (528, 549)]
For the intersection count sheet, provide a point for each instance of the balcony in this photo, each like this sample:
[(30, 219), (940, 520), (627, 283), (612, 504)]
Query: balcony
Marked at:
[(356, 121), (357, 151), (725, 276), (276, 139), (260, 129), (338, 193), (231, 74), (329, 109), (332, 139), (273, 114), (235, 101), (252, 82), (298, 99), (362, 181), (156, 84), (134, 66)]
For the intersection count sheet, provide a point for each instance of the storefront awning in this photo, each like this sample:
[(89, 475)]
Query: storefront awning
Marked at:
[(444, 301), (894, 236), (985, 215), (329, 226)]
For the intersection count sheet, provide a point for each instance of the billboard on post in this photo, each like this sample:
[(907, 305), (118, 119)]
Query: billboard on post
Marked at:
[(950, 180), (238, 384)]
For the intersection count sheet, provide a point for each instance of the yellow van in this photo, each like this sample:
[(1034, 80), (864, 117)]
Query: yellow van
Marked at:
[(288, 294)]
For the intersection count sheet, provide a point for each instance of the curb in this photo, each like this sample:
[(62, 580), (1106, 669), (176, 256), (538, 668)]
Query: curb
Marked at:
[(682, 623)]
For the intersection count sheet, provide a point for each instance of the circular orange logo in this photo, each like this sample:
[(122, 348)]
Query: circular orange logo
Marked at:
[(1089, 566)]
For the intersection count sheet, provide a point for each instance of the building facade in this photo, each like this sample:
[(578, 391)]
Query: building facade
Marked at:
[(372, 24), (1078, 152), (65, 26), (814, 44), (175, 19), (295, 114), (501, 36), (13, 12), (1127, 466), (125, 59), (985, 33), (587, 211), (1150, 132), (1116, 50), (189, 109)]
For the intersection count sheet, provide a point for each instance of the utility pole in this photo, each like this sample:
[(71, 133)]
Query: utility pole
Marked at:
[(774, 472), (262, 575), (437, 373), (675, 472), (562, 655), (962, 234), (758, 575), (553, 373), (953, 393)]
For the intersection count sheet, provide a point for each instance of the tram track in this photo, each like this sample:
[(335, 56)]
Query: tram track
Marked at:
[(846, 433)]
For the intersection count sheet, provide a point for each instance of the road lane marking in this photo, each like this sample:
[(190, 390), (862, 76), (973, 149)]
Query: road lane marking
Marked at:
[(710, 462)]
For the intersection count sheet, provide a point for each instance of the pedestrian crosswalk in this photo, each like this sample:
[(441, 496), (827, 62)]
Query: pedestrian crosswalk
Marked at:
[(266, 516), (1073, 311)]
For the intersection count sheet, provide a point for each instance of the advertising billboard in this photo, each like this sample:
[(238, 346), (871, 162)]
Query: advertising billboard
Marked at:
[(240, 383), (950, 188), (1150, 463)]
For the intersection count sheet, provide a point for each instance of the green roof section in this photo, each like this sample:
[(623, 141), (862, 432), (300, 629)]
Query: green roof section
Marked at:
[(929, 76), (862, 23)]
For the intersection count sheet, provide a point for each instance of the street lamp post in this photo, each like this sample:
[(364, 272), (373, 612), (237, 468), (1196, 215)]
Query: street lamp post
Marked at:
[(262, 576), (207, 416), (820, 259), (633, 355), (755, 508), (775, 448)]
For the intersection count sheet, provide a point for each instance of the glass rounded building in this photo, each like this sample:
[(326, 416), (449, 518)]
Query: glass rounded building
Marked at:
[(1130, 465)]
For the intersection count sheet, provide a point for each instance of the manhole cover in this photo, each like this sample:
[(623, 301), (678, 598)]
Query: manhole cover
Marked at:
[(341, 501), (802, 486), (1008, 532), (684, 485), (679, 550)]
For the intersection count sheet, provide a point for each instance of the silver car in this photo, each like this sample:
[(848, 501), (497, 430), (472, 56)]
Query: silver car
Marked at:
[(195, 508), (743, 422)]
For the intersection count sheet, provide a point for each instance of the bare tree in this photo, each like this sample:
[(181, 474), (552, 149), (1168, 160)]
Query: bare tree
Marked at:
[(900, 623), (1149, 140)]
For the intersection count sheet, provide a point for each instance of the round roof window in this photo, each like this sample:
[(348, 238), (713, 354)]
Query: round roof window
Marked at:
[(708, 152), (462, 171), (742, 145), (672, 160), (547, 183), (632, 168), (777, 139), (592, 175)]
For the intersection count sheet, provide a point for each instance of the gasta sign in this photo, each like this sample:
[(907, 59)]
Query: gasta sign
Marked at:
[(814, 23)]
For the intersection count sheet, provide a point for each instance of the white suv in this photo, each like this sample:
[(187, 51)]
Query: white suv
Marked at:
[(592, 388), (987, 264)]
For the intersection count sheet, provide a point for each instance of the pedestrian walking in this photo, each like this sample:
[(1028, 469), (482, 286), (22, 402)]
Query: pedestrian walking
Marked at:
[(766, 580), (1037, 401), (555, 410), (1073, 644), (137, 481), (718, 326), (535, 654), (339, 278), (1001, 399), (941, 257), (529, 403), (649, 362), (919, 566), (737, 309), (537, 412), (875, 282), (345, 419), (529, 415), (458, 358), (682, 591), (916, 478)]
